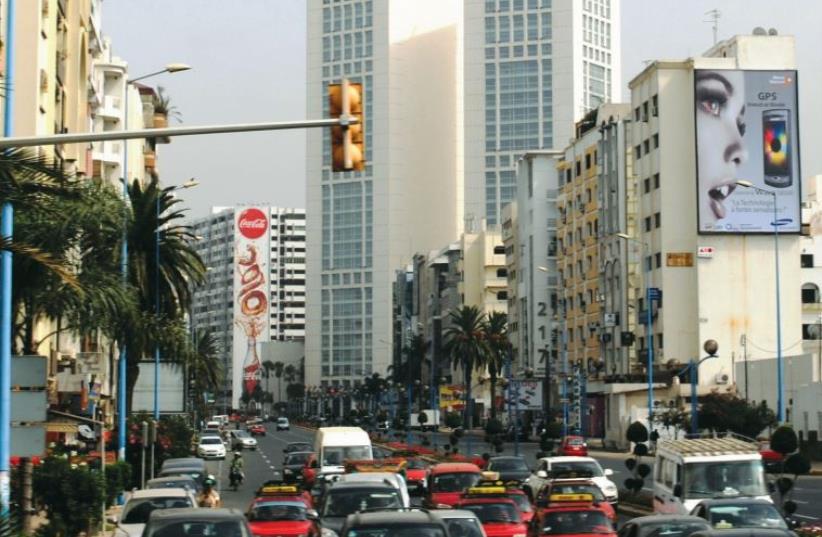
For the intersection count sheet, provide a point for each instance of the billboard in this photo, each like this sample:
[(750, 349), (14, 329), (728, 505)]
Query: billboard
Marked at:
[(452, 398), (170, 391), (251, 299), (747, 129)]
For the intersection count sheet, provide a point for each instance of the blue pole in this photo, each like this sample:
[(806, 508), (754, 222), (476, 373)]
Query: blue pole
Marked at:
[(157, 305), (121, 376), (408, 423), (650, 332), (780, 396), (509, 394), (564, 384), (694, 371), (7, 229)]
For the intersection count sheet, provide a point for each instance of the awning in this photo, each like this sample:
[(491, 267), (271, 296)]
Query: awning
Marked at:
[(61, 427), (63, 422)]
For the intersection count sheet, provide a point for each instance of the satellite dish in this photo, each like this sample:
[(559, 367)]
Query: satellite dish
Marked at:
[(772, 31), (759, 31)]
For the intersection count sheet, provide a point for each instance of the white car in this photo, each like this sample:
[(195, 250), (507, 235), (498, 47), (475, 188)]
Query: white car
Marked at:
[(242, 440), (282, 424), (552, 468), (141, 503), (380, 477), (211, 447)]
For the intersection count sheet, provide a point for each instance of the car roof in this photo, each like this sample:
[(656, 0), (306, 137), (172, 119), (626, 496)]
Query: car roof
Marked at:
[(391, 517), (455, 467), (572, 481), (170, 479), (733, 501), (183, 460), (657, 519), (488, 499), (300, 442), (454, 513), (568, 459), (160, 493), (337, 485), (745, 532), (193, 514), (506, 458), (301, 453)]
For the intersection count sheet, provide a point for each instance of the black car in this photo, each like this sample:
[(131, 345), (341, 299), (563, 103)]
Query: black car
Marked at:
[(174, 482), (396, 523), (735, 513), (667, 525), (195, 521), (291, 447), (346, 498), (745, 532), (293, 465), (509, 468)]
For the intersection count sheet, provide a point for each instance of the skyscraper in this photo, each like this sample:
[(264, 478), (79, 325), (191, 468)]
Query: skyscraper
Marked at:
[(532, 68)]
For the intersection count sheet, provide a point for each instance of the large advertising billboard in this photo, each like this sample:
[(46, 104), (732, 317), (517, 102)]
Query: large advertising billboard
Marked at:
[(251, 301), (747, 130)]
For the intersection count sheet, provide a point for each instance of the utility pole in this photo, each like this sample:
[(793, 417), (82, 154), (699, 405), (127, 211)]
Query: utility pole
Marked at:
[(713, 18)]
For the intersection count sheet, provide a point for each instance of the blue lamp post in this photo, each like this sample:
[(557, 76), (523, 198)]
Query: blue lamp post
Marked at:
[(710, 347)]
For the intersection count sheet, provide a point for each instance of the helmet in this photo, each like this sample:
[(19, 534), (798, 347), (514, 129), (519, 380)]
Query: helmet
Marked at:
[(238, 454), (210, 482)]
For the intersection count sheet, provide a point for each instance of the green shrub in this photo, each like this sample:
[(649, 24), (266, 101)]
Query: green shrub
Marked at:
[(453, 420), (118, 479), (70, 496)]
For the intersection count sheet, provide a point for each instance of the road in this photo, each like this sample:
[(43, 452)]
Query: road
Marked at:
[(266, 462)]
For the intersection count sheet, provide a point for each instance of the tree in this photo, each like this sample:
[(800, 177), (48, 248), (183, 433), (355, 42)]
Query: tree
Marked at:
[(465, 343), (496, 334), (204, 367), (414, 351), (727, 412), (278, 368), (268, 370)]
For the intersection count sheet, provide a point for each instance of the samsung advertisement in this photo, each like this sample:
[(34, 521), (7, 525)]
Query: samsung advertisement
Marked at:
[(747, 131)]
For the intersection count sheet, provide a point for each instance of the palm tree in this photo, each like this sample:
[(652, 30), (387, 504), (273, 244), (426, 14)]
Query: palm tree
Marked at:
[(414, 351), (278, 372), (268, 369), (496, 335), (290, 374), (465, 343), (204, 367)]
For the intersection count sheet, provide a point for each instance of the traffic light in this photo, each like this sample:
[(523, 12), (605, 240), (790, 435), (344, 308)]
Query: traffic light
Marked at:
[(347, 140)]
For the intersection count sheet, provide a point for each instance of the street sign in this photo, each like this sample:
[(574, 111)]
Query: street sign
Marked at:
[(28, 406), (705, 252), (28, 441), (654, 293)]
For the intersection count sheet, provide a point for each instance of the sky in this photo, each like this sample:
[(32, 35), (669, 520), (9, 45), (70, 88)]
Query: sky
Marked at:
[(249, 65)]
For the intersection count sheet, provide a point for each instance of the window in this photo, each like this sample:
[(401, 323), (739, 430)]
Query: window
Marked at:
[(806, 261), (647, 224), (638, 152), (658, 259), (646, 185), (499, 250), (502, 273), (588, 161), (657, 220), (578, 168), (656, 181), (636, 114), (812, 331), (646, 146), (656, 140), (810, 293), (502, 295)]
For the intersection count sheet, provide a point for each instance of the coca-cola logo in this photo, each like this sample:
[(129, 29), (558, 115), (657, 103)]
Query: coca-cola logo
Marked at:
[(252, 223)]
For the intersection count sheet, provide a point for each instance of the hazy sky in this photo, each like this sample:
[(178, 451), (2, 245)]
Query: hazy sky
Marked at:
[(248, 59)]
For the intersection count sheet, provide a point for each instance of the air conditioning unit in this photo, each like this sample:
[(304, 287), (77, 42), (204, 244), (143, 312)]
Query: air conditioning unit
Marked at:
[(721, 378)]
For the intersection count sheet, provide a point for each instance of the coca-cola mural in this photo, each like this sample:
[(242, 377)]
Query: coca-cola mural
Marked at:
[(251, 301)]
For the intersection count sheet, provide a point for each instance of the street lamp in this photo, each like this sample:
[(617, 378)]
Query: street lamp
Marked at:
[(649, 324), (121, 384), (780, 385), (191, 183), (710, 347)]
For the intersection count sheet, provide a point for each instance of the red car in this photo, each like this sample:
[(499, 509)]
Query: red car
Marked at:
[(256, 430), (573, 446), (572, 515), (564, 487), (447, 481), (284, 515), (498, 515)]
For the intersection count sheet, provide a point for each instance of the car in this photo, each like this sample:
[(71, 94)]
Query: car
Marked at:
[(667, 525), (771, 459), (744, 532), (394, 479), (498, 515), (573, 486), (293, 465), (733, 513), (199, 522), (447, 481), (298, 446), (395, 522), (211, 447), (460, 523), (282, 424), (282, 518), (343, 499), (572, 468), (509, 468), (274, 490), (242, 440), (196, 472), (416, 474), (574, 517), (494, 487), (572, 446), (173, 482), (258, 429), (141, 503), (213, 426)]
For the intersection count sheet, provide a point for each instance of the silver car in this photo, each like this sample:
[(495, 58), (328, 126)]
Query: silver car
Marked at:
[(242, 440), (140, 505)]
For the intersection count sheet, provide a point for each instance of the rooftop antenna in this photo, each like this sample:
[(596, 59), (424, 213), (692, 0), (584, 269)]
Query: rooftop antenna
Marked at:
[(713, 17)]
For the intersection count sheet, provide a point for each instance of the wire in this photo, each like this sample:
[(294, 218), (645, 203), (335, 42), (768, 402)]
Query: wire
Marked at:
[(773, 351)]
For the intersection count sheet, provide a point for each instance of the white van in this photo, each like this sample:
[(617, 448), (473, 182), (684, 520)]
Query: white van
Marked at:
[(695, 469), (335, 445)]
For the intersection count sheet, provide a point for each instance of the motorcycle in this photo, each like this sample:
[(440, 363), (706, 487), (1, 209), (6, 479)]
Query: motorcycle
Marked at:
[(235, 477)]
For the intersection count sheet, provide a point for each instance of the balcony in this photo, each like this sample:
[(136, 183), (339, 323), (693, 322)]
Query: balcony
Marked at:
[(111, 108), (109, 152)]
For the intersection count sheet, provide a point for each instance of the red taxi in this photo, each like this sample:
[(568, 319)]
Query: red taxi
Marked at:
[(274, 490), (256, 430), (416, 470), (573, 446), (572, 515), (513, 490), (497, 513), (575, 486), (447, 481), (282, 511)]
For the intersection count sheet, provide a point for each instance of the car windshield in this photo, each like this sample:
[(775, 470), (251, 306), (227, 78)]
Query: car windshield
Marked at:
[(756, 515), (241, 434), (343, 502), (456, 482), (464, 527), (296, 458), (727, 479), (579, 467), (282, 420), (200, 528), (575, 488), (562, 522), (137, 511), (175, 484), (269, 512), (211, 440), (509, 465), (575, 442), (493, 512), (671, 529), (409, 530), (334, 456)]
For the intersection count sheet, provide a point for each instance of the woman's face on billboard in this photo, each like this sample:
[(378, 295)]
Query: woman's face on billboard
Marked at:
[(720, 126)]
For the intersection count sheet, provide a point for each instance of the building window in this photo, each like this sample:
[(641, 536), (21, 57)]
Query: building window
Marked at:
[(502, 295), (578, 168), (646, 146), (499, 250), (588, 161), (658, 259), (646, 185), (657, 220), (647, 224), (656, 181), (806, 260), (502, 273), (810, 293), (636, 114), (656, 141), (638, 152), (812, 331)]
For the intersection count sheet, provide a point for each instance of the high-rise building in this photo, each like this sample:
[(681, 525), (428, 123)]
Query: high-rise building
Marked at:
[(365, 224), (532, 68), (213, 302)]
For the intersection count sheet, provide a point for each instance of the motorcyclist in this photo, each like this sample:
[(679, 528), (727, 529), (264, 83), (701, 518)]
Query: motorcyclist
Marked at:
[(209, 497), (236, 471)]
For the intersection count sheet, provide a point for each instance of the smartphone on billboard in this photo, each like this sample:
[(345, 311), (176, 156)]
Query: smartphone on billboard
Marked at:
[(776, 129)]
